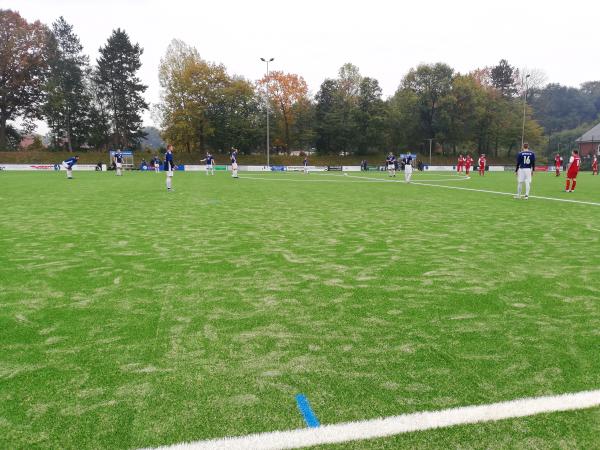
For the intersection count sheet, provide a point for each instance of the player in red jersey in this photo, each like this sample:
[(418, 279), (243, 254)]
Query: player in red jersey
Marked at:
[(482, 164), (595, 165), (459, 164), (572, 171), (468, 164), (558, 162)]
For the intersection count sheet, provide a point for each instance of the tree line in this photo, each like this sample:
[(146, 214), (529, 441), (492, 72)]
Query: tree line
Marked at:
[(204, 107), (45, 76)]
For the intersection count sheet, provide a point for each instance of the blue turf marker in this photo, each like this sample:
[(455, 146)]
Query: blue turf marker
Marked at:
[(308, 414)]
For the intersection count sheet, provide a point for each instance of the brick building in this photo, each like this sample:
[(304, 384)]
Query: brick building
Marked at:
[(589, 143)]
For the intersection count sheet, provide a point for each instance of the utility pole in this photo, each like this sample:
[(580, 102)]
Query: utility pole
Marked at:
[(524, 109), (268, 60), (430, 144)]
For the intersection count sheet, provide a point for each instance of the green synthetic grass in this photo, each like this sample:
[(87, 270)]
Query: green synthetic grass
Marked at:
[(133, 317)]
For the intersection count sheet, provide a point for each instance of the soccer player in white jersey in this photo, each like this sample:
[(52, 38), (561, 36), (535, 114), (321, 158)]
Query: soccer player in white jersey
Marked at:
[(68, 164), (390, 163), (118, 159), (210, 163), (234, 164), (156, 164), (524, 170), (408, 168), (169, 167)]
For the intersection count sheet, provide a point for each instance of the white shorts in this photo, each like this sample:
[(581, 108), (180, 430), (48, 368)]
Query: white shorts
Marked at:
[(209, 167), (408, 168), (157, 166), (169, 173), (234, 166), (119, 165), (524, 175), (391, 167), (64, 166)]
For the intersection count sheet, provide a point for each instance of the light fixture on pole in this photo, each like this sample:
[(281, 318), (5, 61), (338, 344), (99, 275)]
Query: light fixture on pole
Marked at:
[(267, 60), (524, 109)]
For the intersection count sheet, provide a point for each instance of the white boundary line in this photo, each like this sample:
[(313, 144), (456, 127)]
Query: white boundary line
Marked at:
[(565, 200), (390, 426), (539, 197), (363, 179)]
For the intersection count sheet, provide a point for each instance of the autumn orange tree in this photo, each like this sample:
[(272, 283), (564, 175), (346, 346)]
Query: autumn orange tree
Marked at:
[(23, 59), (286, 91)]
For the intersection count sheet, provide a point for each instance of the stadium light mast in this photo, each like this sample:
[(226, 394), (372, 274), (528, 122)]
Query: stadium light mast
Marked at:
[(524, 109), (430, 142), (267, 60)]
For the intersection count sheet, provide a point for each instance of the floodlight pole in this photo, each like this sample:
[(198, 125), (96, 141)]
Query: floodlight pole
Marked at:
[(430, 143), (267, 60), (524, 109)]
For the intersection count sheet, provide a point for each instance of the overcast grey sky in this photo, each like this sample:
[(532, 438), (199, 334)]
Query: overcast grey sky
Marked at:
[(314, 38)]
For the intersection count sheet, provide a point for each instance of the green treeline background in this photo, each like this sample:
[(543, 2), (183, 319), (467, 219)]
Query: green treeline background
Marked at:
[(99, 105)]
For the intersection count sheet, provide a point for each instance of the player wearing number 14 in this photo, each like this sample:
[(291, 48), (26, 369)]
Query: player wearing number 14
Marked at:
[(524, 170)]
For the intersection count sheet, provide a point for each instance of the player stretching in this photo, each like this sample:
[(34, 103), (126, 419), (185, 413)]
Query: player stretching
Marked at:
[(68, 164), (408, 168), (468, 164), (572, 171), (234, 164), (459, 163), (169, 167), (595, 165), (524, 170), (482, 163), (558, 162), (118, 159), (210, 163), (390, 163), (305, 165)]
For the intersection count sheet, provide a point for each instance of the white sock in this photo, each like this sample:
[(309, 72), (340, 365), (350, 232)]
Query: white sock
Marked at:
[(168, 182), (69, 174), (519, 189), (527, 186)]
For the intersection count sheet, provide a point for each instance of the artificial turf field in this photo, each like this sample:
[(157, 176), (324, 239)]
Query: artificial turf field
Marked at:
[(133, 317)]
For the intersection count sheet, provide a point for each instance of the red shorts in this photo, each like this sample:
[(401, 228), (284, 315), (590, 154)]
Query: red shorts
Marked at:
[(572, 174)]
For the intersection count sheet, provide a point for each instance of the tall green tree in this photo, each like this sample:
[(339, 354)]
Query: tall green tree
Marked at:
[(430, 83), (504, 78), (116, 76), (67, 103), (561, 108), (99, 118), (235, 117), (337, 111), (23, 70), (370, 117)]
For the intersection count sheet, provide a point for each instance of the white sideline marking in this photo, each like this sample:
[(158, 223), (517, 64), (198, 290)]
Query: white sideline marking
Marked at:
[(566, 200), (389, 426), (401, 180), (298, 180), (539, 197)]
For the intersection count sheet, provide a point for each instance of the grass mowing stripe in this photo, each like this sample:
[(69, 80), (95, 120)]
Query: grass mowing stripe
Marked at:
[(389, 426)]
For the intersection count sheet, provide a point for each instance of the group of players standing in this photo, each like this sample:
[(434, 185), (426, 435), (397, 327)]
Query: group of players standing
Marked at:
[(466, 162), (524, 168), (391, 164)]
